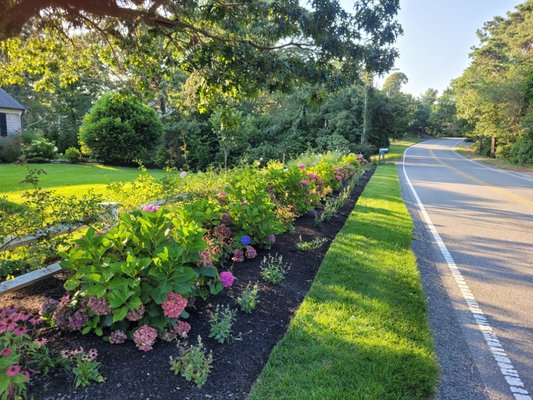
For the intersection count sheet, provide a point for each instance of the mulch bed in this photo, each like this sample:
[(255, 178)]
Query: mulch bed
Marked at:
[(132, 374)]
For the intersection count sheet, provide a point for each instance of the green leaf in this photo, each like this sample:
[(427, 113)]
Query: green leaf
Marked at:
[(120, 314)]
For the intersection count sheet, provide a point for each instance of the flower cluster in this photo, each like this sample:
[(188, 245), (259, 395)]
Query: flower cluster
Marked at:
[(238, 255), (99, 306), (250, 252), (145, 337), (227, 279), (178, 330), (205, 257), (271, 239), (135, 315), (13, 320), (78, 320), (304, 182), (151, 208), (81, 353), (118, 337), (225, 219), (174, 305)]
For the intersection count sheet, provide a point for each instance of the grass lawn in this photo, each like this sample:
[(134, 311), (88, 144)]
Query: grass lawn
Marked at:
[(66, 179), (362, 331), (468, 152)]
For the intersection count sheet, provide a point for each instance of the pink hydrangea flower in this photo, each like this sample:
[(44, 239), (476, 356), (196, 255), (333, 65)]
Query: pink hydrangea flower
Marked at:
[(99, 306), (182, 328), (145, 337), (227, 279), (250, 252), (225, 219), (135, 315), (78, 320), (304, 182), (238, 255), (151, 208), (118, 337), (174, 305), (13, 370), (205, 256), (301, 166)]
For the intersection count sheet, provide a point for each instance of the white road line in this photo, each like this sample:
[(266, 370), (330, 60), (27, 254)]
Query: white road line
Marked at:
[(516, 386), (491, 168)]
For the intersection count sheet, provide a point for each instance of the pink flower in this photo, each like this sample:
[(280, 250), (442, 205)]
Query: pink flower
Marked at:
[(145, 337), (312, 176), (338, 177), (238, 255), (205, 256), (117, 337), (301, 166), (174, 305), (40, 342), (13, 370), (102, 232), (227, 279), (151, 208), (250, 252), (225, 219), (182, 328), (78, 320), (21, 330), (99, 306), (6, 352), (26, 374), (135, 315), (304, 182)]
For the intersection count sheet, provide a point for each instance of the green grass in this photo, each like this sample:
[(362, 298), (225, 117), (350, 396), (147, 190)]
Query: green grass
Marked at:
[(397, 147), (66, 179), (362, 331)]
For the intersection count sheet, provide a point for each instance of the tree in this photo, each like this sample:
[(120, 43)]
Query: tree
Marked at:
[(238, 49), (393, 84), (120, 129)]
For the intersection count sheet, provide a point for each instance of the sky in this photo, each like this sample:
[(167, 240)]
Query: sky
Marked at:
[(438, 36)]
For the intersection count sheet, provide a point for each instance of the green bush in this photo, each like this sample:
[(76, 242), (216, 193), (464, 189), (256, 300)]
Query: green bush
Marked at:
[(522, 151), (40, 150), (73, 155), (10, 151), (120, 129), (366, 150)]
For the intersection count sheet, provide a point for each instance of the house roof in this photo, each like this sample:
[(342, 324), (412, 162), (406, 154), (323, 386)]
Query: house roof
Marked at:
[(6, 101)]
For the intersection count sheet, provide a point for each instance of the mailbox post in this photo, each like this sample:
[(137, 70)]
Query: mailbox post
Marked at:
[(382, 152)]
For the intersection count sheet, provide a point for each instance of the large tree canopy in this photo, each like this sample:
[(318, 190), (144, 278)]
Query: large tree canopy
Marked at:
[(235, 47)]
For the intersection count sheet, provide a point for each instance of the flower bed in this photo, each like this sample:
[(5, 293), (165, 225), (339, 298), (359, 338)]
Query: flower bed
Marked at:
[(140, 280)]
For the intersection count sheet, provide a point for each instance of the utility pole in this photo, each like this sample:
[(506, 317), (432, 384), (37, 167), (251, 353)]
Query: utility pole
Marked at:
[(367, 79)]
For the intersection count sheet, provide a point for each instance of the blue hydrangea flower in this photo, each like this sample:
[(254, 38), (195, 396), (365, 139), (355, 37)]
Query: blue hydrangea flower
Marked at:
[(246, 240)]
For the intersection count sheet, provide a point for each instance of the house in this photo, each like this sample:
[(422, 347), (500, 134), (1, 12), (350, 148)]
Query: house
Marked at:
[(10, 114)]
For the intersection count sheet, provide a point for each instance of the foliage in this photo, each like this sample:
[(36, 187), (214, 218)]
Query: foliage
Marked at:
[(247, 301), (40, 150), (83, 365), (494, 93), (140, 263), (10, 151), (221, 322), (273, 268), (73, 155), (193, 363), (310, 245), (120, 129)]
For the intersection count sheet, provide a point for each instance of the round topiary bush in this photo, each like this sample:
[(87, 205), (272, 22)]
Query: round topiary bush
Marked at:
[(73, 155), (120, 129)]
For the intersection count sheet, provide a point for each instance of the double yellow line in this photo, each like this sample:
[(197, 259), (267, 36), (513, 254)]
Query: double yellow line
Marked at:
[(483, 183)]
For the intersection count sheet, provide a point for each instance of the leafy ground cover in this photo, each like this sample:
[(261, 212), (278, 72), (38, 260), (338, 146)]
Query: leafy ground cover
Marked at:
[(468, 152), (66, 179), (236, 363), (362, 331)]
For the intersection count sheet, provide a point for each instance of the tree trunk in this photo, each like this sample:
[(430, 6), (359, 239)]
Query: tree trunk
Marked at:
[(493, 147)]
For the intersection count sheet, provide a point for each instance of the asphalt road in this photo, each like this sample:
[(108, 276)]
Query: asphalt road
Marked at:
[(474, 244)]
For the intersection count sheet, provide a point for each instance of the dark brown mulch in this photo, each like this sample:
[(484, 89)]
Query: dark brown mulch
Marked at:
[(131, 374)]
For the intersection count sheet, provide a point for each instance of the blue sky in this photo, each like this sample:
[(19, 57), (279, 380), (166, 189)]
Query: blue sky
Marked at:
[(438, 35)]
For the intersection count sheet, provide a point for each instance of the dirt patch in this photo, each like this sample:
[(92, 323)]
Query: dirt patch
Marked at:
[(131, 374)]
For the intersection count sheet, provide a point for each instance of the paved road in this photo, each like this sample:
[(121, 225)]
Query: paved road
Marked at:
[(474, 244)]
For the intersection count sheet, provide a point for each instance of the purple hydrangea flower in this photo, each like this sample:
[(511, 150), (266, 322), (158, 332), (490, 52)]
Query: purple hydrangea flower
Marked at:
[(271, 239), (227, 279), (250, 252)]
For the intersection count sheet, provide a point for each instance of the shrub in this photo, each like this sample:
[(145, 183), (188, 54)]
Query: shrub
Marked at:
[(193, 363), (221, 322), (10, 151), (120, 129), (141, 273), (248, 299), (40, 150), (366, 150), (273, 268), (73, 155), (522, 151)]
